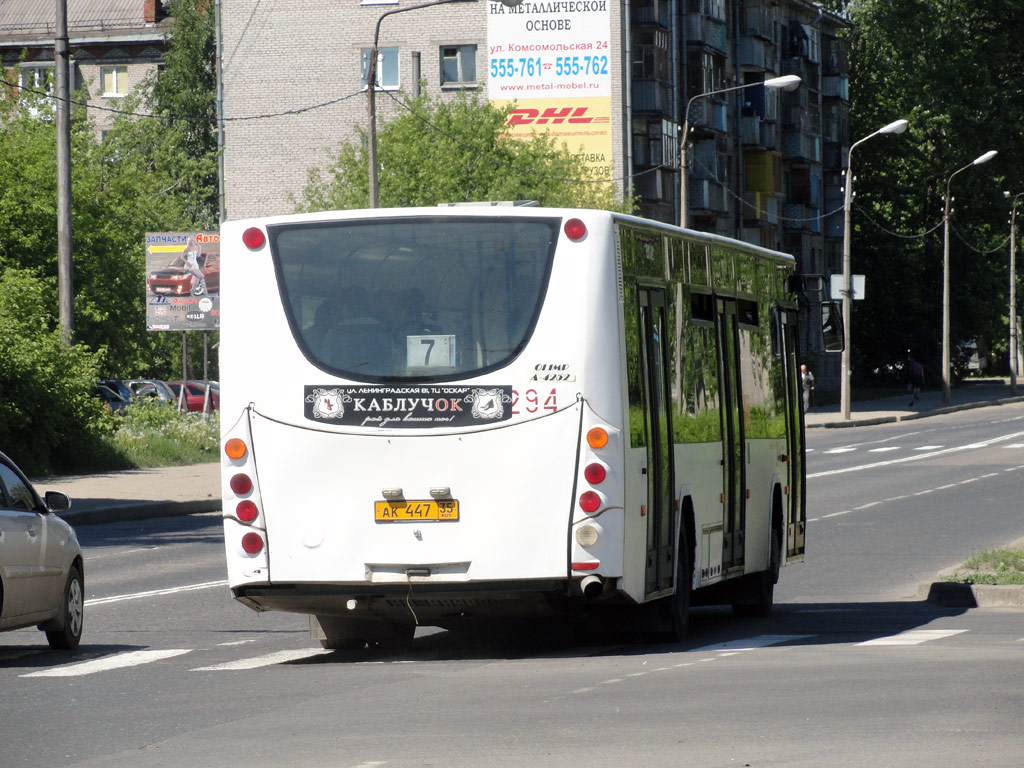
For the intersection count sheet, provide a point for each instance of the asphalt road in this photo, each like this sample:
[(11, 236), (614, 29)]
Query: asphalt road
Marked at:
[(851, 670)]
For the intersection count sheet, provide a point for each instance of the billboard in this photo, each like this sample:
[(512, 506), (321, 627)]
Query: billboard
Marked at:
[(553, 60), (182, 281)]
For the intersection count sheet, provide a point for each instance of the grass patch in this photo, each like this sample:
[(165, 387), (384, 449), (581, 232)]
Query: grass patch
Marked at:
[(154, 434), (997, 566)]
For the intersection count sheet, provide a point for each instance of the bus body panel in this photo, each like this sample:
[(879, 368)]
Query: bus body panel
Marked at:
[(513, 509)]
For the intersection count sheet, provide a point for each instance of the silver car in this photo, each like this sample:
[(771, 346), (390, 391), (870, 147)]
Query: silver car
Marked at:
[(41, 574)]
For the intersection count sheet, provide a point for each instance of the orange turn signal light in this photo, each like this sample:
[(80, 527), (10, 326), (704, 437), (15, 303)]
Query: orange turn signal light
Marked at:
[(235, 448), (597, 437)]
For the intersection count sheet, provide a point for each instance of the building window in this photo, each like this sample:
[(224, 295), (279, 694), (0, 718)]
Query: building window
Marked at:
[(387, 67), (458, 64), (115, 81)]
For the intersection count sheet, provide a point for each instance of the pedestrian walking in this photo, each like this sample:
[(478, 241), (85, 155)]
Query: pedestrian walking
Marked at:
[(916, 379), (807, 381)]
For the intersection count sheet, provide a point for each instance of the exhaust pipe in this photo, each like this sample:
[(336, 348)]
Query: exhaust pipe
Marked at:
[(591, 586)]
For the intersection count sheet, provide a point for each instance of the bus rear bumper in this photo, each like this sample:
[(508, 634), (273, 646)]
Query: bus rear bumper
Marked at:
[(433, 604)]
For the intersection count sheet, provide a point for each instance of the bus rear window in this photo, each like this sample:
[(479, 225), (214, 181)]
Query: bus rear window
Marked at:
[(414, 299)]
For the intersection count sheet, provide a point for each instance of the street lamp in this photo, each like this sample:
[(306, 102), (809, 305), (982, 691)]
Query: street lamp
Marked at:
[(898, 126), (1013, 291), (945, 274), (785, 83), (371, 86)]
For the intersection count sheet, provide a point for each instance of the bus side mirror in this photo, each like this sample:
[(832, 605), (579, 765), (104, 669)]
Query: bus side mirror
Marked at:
[(832, 335)]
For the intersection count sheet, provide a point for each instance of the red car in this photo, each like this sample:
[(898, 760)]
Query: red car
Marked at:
[(195, 393), (176, 280)]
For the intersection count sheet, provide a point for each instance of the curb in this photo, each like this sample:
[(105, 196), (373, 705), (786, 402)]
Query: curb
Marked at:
[(116, 513), (951, 594)]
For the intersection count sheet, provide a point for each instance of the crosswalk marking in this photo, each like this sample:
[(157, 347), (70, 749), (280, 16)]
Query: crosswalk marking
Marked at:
[(914, 637), (750, 643), (281, 657), (119, 661)]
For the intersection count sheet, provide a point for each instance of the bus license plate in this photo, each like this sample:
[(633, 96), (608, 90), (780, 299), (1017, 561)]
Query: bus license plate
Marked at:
[(415, 511)]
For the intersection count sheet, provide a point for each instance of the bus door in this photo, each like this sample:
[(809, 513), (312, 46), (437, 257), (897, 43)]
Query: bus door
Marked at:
[(796, 514), (733, 445), (657, 421)]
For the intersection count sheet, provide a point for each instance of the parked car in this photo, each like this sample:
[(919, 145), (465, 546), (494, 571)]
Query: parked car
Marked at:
[(195, 392), (146, 388), (176, 280), (113, 400), (41, 566)]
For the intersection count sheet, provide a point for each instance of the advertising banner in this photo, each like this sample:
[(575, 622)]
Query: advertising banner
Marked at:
[(182, 281), (553, 59)]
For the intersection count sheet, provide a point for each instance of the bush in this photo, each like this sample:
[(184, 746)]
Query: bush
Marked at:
[(49, 421)]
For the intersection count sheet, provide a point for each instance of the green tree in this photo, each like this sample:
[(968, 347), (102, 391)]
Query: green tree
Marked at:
[(457, 151), (955, 71)]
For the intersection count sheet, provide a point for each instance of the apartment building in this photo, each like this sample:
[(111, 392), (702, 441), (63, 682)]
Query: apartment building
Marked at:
[(114, 46), (613, 79)]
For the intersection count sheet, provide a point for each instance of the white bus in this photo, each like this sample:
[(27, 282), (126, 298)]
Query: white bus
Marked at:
[(458, 415)]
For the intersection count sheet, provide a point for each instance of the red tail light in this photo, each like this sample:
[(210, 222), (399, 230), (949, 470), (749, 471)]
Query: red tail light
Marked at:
[(575, 229), (590, 502), (241, 484), (253, 238), (246, 511), (595, 473), (252, 543)]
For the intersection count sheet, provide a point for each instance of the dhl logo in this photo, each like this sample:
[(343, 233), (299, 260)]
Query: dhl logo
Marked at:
[(556, 115)]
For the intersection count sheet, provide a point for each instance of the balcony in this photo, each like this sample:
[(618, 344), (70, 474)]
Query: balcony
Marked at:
[(801, 147), (836, 87), (653, 96), (706, 113), (705, 195), (710, 32), (801, 217), (752, 53), (760, 208)]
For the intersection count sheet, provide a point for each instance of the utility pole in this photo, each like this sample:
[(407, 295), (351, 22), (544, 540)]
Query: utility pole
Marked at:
[(65, 280)]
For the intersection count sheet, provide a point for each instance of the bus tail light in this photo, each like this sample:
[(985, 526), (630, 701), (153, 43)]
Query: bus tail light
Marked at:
[(597, 437), (241, 484), (252, 543), (247, 511), (575, 230), (590, 501), (235, 449), (595, 473), (253, 238)]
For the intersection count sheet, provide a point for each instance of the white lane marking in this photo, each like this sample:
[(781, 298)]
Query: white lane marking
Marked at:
[(929, 447), (914, 637), (883, 450), (918, 457), (154, 593), (119, 661), (840, 450), (270, 659), (750, 643)]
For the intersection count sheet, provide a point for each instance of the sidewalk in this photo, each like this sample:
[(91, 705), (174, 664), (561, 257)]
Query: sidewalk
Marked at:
[(137, 494), (970, 394)]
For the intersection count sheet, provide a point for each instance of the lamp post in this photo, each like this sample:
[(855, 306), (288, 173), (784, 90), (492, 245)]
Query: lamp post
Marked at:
[(945, 274), (898, 126), (371, 83), (1013, 291), (785, 83)]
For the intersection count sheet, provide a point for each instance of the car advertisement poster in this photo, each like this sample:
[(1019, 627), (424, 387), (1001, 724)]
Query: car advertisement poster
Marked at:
[(553, 60), (182, 281)]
